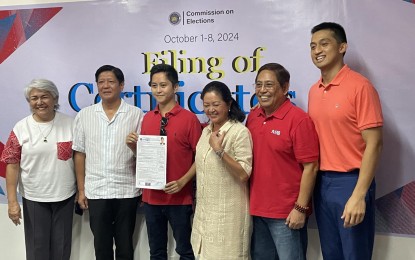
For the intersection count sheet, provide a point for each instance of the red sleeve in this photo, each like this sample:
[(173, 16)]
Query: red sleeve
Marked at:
[(12, 151), (305, 142)]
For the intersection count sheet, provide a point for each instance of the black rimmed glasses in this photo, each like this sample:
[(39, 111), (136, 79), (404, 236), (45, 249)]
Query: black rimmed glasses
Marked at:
[(163, 124)]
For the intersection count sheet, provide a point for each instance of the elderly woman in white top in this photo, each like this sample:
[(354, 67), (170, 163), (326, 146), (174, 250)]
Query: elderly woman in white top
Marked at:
[(39, 161)]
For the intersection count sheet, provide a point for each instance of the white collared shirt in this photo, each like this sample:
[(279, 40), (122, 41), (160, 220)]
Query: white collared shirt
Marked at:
[(109, 163)]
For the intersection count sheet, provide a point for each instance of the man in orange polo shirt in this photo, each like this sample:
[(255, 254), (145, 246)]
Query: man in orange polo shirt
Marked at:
[(346, 111)]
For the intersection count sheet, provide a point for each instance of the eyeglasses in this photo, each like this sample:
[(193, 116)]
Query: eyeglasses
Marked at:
[(268, 85), (163, 124)]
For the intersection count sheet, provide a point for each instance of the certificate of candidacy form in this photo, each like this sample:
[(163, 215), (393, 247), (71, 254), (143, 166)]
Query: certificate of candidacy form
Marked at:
[(151, 162)]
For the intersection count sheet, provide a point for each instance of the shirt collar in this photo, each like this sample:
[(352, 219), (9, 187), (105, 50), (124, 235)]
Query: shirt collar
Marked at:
[(280, 112), (337, 79), (174, 111), (121, 109)]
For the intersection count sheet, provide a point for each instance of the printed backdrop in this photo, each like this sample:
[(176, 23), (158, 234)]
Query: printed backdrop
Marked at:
[(218, 40)]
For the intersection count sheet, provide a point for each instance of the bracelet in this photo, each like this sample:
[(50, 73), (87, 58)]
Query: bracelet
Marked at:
[(300, 208), (220, 153)]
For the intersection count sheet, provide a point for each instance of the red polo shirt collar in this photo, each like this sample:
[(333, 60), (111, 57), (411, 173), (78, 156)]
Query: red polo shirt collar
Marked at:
[(280, 113), (174, 111)]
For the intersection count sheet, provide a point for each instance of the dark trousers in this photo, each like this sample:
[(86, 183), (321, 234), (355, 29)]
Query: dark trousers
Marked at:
[(48, 229), (331, 193), (113, 220), (157, 219)]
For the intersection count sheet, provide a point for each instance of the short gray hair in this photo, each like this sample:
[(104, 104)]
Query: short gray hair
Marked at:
[(44, 85)]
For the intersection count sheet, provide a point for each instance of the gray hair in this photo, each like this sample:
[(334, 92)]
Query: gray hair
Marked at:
[(44, 85)]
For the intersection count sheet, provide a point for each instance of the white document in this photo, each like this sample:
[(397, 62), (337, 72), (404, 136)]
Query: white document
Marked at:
[(151, 162)]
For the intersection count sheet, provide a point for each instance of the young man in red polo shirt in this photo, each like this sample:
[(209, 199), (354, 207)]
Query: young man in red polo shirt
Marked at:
[(173, 204), (285, 166), (346, 111)]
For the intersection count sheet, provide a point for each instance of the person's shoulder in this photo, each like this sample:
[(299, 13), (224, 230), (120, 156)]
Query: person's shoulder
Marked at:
[(133, 108), (239, 126), (254, 111), (240, 130), (88, 108), (86, 113), (22, 121), (149, 116), (297, 113), (149, 113), (188, 114), (134, 112), (206, 128), (359, 79), (186, 111)]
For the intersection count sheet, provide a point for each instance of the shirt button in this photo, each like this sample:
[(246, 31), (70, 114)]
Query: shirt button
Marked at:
[(264, 123)]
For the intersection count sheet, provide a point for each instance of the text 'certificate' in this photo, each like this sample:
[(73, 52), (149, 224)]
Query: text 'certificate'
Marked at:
[(151, 162)]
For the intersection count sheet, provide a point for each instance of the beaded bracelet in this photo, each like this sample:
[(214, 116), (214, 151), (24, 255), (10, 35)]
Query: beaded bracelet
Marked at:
[(300, 208)]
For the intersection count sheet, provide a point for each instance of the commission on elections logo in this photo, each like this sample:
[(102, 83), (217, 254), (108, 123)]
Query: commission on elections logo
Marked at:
[(175, 18)]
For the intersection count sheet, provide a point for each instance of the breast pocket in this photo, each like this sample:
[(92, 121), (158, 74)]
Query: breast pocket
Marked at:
[(64, 150)]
